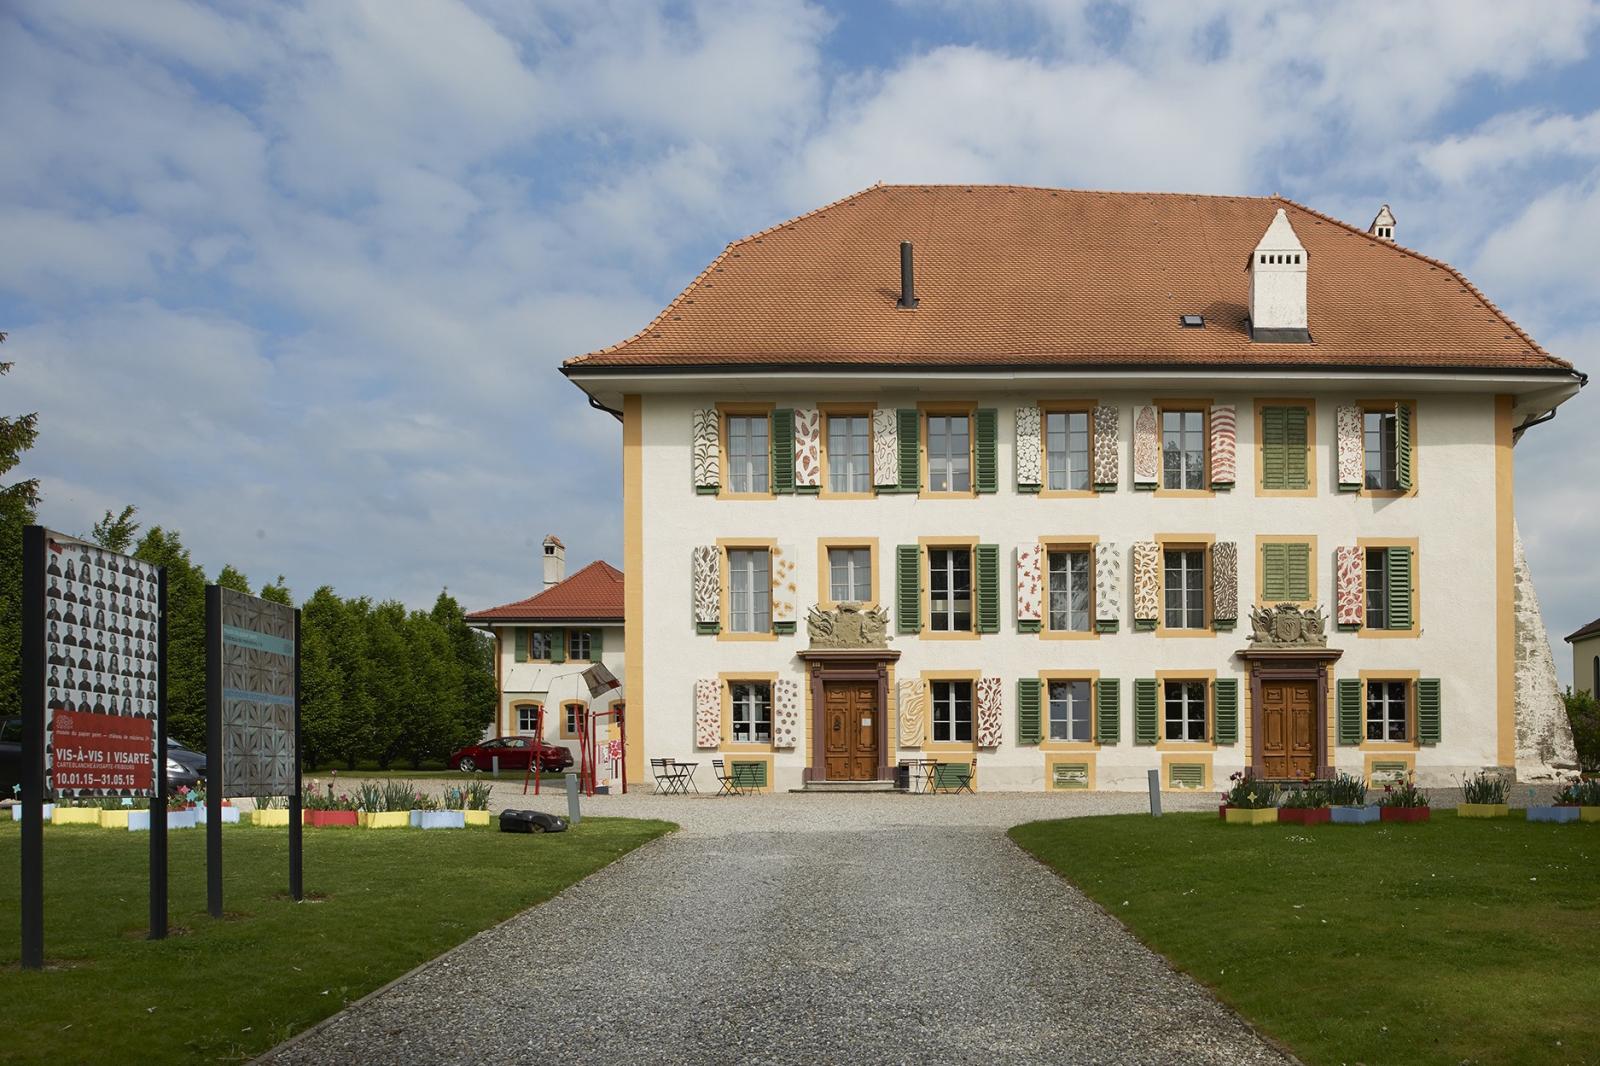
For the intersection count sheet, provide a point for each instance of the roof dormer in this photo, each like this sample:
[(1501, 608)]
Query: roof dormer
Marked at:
[(1383, 225), (1278, 313)]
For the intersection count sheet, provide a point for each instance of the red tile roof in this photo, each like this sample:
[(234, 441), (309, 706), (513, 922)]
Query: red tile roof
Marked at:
[(1010, 276), (593, 594)]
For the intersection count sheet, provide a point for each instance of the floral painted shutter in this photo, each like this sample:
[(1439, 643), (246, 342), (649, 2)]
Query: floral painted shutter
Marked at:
[(1107, 464), (1146, 448), (908, 598), (913, 699), (1429, 711), (1108, 710), (785, 589), (1226, 700), (782, 444), (1224, 584), (707, 588), (1028, 443), (988, 572), (707, 451), (1349, 711), (707, 713), (885, 450), (1403, 447), (1397, 561), (909, 434), (1224, 445), (785, 713), (1107, 587), (1146, 584), (989, 700), (1030, 588), (1145, 715), (985, 450), (1028, 723), (807, 450), (1352, 457), (520, 645), (1350, 592)]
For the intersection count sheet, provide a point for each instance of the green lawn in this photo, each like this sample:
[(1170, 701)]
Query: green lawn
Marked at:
[(1455, 941), (379, 903)]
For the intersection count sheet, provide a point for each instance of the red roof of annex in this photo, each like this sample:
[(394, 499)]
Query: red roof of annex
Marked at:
[(593, 594)]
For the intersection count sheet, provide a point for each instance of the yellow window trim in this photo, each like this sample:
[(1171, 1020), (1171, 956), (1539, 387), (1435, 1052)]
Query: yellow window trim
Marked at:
[(1203, 406), (825, 598), (971, 411), (1410, 677), (951, 747), (1046, 546), (825, 412), (1162, 743), (725, 681), (1403, 756), (1201, 542), (1085, 757), (724, 411), (1310, 541), (1368, 633), (1048, 745), (724, 544), (1199, 756), (1046, 409), (923, 544), (566, 705), (1311, 446), (513, 726)]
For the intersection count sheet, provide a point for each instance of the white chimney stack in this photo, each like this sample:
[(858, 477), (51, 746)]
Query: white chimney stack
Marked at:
[(1278, 285), (555, 561), (1383, 225)]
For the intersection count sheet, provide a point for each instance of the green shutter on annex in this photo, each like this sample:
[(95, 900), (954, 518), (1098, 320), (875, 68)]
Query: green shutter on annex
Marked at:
[(1349, 711), (988, 567), (987, 426), (1144, 710), (1028, 727), (910, 434), (782, 444), (558, 645), (1397, 561), (1108, 710), (1285, 572), (520, 644), (1430, 716), (1403, 446), (908, 596), (1284, 448), (1226, 697), (596, 646)]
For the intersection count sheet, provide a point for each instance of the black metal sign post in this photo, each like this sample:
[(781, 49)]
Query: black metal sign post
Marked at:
[(214, 753), (296, 869), (158, 803), (33, 668)]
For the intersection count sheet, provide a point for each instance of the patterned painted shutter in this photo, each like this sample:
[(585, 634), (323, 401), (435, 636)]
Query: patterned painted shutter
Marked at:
[(885, 450), (990, 709), (707, 713), (1224, 445), (1403, 446), (785, 588), (985, 450), (1107, 464), (1108, 710), (909, 433), (1296, 455), (1429, 711), (1224, 584), (785, 713), (1352, 459), (1146, 584), (1146, 448), (707, 588), (1349, 711), (1144, 710), (807, 449), (782, 446), (1107, 587), (908, 599), (1274, 447), (1350, 592), (520, 645), (707, 451), (558, 645), (1028, 726), (1226, 697), (1028, 445), (988, 568), (1274, 573), (913, 699), (1397, 561), (1030, 588)]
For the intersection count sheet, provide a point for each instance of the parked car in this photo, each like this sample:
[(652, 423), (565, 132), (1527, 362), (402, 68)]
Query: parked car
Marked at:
[(515, 753)]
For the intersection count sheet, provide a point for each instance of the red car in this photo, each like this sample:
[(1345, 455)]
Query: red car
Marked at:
[(514, 753)]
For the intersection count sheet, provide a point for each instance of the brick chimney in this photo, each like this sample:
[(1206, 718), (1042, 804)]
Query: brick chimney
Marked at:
[(555, 561)]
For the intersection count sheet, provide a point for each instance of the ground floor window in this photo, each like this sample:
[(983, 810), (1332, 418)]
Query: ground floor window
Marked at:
[(528, 718), (1386, 710), (752, 712), (1070, 717), (1186, 710), (952, 711), (569, 718)]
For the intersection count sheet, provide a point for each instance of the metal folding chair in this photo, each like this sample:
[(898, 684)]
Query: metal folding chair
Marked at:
[(727, 785), (668, 779)]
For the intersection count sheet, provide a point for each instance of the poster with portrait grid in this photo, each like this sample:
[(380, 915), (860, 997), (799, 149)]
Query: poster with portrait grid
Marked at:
[(258, 696), (102, 671)]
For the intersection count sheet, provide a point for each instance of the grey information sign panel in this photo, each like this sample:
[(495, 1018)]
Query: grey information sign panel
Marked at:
[(258, 740)]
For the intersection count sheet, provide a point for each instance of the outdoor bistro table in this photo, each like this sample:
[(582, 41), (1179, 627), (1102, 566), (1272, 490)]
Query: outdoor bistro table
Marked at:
[(687, 777), (929, 768)]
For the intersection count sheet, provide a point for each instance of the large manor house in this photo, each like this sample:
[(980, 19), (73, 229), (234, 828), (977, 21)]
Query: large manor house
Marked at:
[(1065, 487)]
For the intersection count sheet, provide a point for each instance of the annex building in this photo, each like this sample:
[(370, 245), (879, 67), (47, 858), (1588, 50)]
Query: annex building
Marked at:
[(1067, 486)]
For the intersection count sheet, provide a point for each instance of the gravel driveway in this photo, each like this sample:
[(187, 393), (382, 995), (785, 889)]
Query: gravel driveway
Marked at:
[(836, 929)]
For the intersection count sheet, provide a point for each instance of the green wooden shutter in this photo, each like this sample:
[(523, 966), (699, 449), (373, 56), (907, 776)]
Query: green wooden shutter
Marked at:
[(1226, 697), (1274, 447), (596, 645), (1297, 572), (1295, 449), (520, 643), (988, 567), (1144, 711), (908, 558), (782, 444), (558, 645), (1108, 710), (1349, 711), (1403, 445), (910, 434), (1429, 717), (1028, 710), (1398, 563), (1274, 572), (987, 428)]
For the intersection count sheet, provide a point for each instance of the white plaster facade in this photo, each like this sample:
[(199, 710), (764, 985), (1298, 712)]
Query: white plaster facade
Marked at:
[(552, 685)]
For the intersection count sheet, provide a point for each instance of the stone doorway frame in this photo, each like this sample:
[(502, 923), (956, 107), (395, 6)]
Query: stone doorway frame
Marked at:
[(1290, 664), (847, 664)]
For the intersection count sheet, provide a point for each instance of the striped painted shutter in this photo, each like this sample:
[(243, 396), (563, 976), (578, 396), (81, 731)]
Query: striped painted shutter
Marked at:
[(1028, 727), (807, 449), (520, 645), (1030, 588), (1349, 711), (1108, 710), (558, 645), (1350, 592), (909, 433), (908, 599), (706, 451), (706, 588), (885, 450), (1144, 710), (1146, 448), (1429, 711), (1225, 584), (1397, 561), (1352, 458), (1226, 698), (1403, 447), (1224, 445), (782, 445), (1274, 450), (1107, 461), (988, 568), (1028, 446), (985, 449)]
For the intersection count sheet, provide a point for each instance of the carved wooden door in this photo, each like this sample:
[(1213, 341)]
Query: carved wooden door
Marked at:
[(1289, 729), (850, 730)]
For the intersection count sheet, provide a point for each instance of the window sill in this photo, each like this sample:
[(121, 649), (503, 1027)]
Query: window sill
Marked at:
[(1391, 745), (1191, 494), (1069, 634), (929, 494), (726, 495), (1163, 631), (1197, 746), (746, 747), (1067, 494), (950, 747), (942, 634), (1365, 633), (737, 637), (1062, 746), (829, 494)]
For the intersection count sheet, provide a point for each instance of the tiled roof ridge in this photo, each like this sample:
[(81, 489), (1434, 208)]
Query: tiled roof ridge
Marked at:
[(1476, 292), (529, 601)]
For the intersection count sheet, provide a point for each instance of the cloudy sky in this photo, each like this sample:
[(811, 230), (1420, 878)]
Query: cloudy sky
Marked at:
[(295, 278)]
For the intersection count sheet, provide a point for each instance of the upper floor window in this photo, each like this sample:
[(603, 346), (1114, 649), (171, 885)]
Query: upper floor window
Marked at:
[(1070, 717), (850, 575), (1069, 591), (752, 712), (1379, 438), (541, 644), (748, 453), (1391, 586), (1066, 447), (952, 711), (1386, 710), (577, 644), (949, 453), (849, 453), (1183, 449), (749, 590), (950, 589), (1185, 588), (1185, 710)]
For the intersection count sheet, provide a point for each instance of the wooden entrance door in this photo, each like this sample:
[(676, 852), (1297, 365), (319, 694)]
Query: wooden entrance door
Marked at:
[(850, 730), (1289, 728)]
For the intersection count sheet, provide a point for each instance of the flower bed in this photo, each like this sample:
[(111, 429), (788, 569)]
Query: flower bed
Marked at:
[(1403, 801), (1250, 802), (1483, 795), (16, 811), (76, 816), (1306, 804), (325, 819)]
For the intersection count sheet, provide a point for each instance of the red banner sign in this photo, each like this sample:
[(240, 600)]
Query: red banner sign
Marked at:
[(102, 751)]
